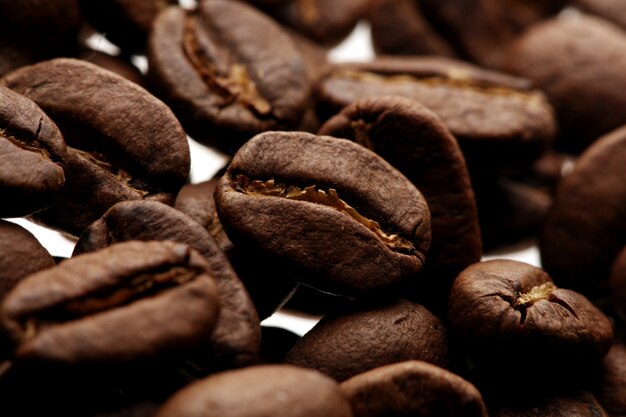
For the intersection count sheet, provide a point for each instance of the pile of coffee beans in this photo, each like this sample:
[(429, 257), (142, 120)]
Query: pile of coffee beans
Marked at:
[(361, 193)]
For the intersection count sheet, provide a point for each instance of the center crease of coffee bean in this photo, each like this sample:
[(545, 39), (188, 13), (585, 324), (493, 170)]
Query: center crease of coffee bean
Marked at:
[(330, 198), (452, 81), (140, 286), (234, 87)]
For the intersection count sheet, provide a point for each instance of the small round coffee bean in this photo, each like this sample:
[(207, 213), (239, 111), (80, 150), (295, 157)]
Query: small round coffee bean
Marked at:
[(260, 391)]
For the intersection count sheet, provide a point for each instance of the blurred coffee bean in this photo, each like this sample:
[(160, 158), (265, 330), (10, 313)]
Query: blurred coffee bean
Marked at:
[(612, 10), (364, 337), (566, 58)]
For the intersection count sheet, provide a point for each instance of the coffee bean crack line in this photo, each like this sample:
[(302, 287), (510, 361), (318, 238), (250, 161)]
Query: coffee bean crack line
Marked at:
[(143, 285), (234, 87), (458, 82), (32, 146), (330, 198)]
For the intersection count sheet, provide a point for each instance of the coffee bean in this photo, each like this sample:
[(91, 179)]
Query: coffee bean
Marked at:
[(224, 83), (481, 29), (116, 133), (499, 121), (236, 336), (417, 143), (399, 28), (336, 200), (33, 151), (364, 337), (126, 23), (326, 22), (510, 314), (588, 102), (412, 388), (270, 390), (131, 301), (585, 229)]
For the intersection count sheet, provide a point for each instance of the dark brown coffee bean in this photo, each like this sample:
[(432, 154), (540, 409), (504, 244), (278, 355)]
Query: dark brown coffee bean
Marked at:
[(583, 404), (126, 23), (567, 59), (412, 388), (337, 201), (270, 390), (498, 120), (224, 83), (130, 301), (398, 28), (269, 289), (585, 228), (417, 143), (481, 29), (611, 389), (509, 313), (612, 10), (361, 338), (326, 22), (617, 283), (124, 144), (33, 151), (236, 337)]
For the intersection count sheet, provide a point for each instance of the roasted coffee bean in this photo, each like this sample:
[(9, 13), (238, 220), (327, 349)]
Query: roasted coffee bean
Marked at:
[(45, 29), (617, 283), (498, 120), (236, 336), (510, 314), (326, 22), (611, 388), (302, 198), (269, 289), (582, 404), (612, 10), (124, 144), (398, 28), (412, 388), (364, 337), (585, 229), (32, 153), (270, 390), (417, 143), (481, 29), (588, 102), (131, 301), (224, 83), (126, 23)]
